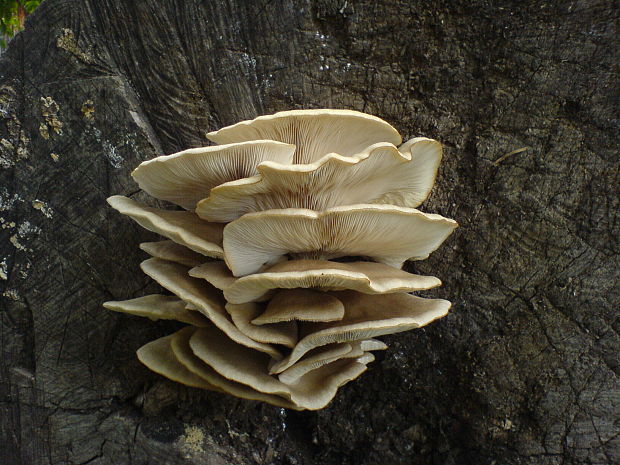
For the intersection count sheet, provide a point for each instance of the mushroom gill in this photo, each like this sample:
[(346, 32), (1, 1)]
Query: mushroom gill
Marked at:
[(270, 315)]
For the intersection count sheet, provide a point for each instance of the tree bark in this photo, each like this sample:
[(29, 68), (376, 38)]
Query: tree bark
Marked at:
[(524, 370)]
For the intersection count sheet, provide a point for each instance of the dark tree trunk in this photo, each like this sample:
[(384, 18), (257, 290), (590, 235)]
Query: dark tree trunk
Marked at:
[(521, 93)]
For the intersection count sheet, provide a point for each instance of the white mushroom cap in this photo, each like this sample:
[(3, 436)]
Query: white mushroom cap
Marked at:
[(379, 174), (314, 133), (156, 307), (240, 364), (365, 277), (302, 305), (183, 352), (182, 227), (186, 177), (173, 252), (284, 333), (386, 233), (206, 298), (366, 316)]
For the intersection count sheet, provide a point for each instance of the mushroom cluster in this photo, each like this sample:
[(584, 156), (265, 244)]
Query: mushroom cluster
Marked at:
[(285, 257)]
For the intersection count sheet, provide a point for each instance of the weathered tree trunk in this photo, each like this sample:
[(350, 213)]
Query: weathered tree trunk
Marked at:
[(521, 93)]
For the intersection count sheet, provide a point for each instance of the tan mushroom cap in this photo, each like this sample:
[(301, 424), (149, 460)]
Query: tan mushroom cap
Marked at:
[(366, 316), (206, 298), (158, 357), (379, 174), (173, 252), (240, 364), (301, 305), (385, 233), (215, 273), (159, 307), (365, 277), (182, 227), (183, 352), (318, 359), (315, 133), (366, 358), (186, 177), (284, 333)]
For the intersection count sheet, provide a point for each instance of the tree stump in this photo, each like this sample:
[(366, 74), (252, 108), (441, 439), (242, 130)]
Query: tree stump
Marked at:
[(524, 370)]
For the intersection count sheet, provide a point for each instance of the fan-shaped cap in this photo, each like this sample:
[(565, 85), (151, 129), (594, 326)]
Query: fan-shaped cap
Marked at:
[(301, 305), (156, 307), (314, 133), (319, 358), (386, 233), (238, 363), (284, 332), (206, 298), (182, 227), (365, 277), (157, 355), (366, 316), (173, 252), (183, 352), (379, 174), (186, 177), (216, 273)]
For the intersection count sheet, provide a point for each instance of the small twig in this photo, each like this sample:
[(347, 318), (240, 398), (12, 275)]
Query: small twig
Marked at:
[(509, 154)]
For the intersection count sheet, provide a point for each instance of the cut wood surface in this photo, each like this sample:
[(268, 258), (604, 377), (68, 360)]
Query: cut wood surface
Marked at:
[(523, 95)]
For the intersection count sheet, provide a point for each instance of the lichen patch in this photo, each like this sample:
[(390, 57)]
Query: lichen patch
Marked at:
[(43, 208), (4, 269), (66, 41), (88, 110), (49, 110)]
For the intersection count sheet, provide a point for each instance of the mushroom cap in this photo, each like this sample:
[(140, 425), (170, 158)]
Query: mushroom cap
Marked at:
[(379, 174), (182, 227), (284, 332), (173, 252), (157, 355), (242, 365), (183, 352), (319, 358), (159, 307), (300, 304), (386, 233), (207, 299), (216, 273), (365, 277), (186, 177), (314, 133), (366, 316)]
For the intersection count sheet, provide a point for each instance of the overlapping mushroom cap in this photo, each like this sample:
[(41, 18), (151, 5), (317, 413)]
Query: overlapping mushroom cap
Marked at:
[(251, 260)]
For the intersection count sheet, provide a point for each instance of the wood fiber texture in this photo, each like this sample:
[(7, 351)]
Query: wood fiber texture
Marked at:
[(524, 370)]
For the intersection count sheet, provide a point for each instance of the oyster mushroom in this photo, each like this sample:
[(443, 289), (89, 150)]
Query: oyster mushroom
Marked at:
[(187, 177), (314, 133), (242, 365), (207, 299), (364, 277), (182, 227), (380, 174), (366, 316), (301, 305), (159, 307), (273, 318), (385, 233), (173, 252)]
